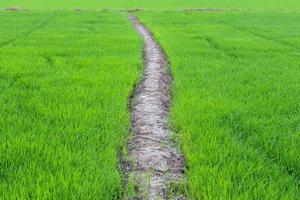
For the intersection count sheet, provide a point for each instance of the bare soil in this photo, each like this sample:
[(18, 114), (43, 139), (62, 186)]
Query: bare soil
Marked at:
[(14, 9), (157, 163)]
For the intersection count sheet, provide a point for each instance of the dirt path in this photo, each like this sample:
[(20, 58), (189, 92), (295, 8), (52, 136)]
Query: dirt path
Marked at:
[(157, 163)]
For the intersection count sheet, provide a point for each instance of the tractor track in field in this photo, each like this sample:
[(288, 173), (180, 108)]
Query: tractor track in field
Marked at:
[(158, 166)]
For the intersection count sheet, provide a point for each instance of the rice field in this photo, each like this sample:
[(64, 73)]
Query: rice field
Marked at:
[(235, 106), (63, 103), (68, 70)]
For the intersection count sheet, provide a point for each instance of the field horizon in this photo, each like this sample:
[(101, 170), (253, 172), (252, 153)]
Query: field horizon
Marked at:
[(154, 5)]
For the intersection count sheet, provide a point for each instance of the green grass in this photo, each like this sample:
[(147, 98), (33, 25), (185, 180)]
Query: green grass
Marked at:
[(236, 100), (65, 78), (149, 4)]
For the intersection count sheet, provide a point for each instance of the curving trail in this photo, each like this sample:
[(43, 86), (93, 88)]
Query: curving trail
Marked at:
[(157, 163)]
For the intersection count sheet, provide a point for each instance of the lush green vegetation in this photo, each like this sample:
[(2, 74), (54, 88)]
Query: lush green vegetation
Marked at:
[(236, 100), (149, 4), (65, 78)]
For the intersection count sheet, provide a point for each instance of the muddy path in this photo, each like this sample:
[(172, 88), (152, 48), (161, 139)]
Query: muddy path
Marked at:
[(158, 166)]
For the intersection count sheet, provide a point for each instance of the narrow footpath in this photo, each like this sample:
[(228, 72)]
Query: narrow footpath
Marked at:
[(158, 166)]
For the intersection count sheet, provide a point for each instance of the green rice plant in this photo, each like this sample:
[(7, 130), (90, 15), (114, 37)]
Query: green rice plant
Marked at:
[(236, 100), (65, 78)]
